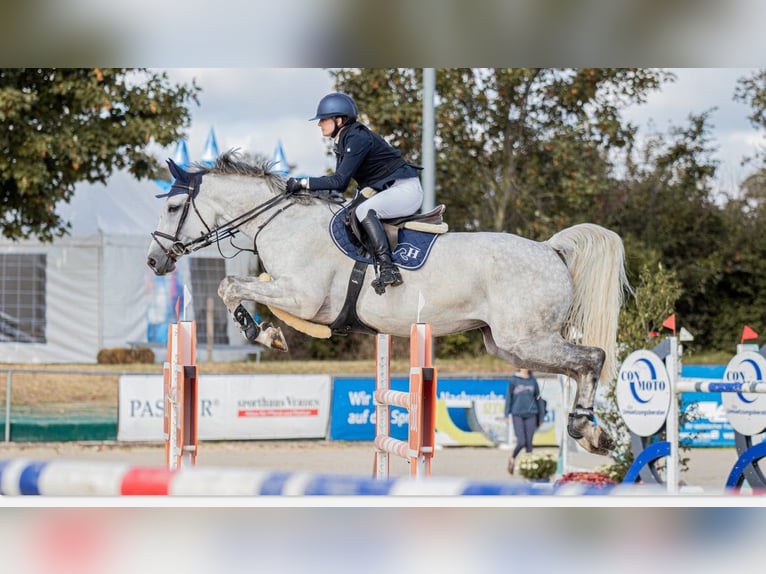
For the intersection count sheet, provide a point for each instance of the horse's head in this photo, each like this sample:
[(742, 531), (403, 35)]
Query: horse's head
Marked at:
[(235, 195), (182, 221)]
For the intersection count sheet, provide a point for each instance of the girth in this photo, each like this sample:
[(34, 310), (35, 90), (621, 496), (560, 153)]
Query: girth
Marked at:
[(347, 320)]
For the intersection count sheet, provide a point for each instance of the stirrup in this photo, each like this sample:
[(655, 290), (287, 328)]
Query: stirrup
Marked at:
[(387, 276)]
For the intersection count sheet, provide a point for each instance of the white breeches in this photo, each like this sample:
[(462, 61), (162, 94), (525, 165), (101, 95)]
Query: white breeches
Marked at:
[(404, 197)]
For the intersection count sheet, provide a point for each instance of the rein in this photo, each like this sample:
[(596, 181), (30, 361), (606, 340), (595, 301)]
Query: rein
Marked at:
[(225, 231)]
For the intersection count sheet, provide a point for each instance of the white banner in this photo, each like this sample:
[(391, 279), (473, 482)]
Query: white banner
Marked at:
[(746, 411), (231, 407), (643, 392)]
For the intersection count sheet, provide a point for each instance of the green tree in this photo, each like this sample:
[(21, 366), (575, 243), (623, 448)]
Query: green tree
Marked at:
[(751, 90), (738, 297), (525, 150), (664, 209), (60, 127)]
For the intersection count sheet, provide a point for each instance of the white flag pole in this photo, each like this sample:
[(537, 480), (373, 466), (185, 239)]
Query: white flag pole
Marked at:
[(187, 299), (421, 304)]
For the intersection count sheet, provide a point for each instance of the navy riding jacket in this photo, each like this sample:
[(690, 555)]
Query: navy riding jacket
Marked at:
[(365, 156)]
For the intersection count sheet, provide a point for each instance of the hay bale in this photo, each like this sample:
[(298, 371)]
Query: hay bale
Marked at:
[(123, 356)]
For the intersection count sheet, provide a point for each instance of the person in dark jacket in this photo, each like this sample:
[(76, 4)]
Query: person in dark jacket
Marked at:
[(366, 157), (521, 405)]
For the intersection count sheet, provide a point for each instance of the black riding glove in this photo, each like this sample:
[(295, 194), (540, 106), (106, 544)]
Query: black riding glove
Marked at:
[(293, 185)]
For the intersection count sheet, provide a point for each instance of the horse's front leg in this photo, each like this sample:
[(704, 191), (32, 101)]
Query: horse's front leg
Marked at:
[(264, 332), (233, 290)]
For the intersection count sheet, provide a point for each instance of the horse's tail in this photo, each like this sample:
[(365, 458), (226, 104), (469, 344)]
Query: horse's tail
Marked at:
[(595, 258)]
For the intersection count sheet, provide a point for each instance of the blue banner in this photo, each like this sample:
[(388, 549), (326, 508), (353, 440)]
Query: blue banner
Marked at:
[(709, 426), (353, 409), (352, 414)]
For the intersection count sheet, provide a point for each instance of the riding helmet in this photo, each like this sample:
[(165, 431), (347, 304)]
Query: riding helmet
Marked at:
[(334, 105)]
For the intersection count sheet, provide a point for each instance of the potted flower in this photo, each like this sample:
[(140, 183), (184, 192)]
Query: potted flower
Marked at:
[(594, 479), (538, 467)]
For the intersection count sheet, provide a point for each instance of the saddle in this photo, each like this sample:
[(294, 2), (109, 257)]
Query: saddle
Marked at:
[(413, 236), (430, 222)]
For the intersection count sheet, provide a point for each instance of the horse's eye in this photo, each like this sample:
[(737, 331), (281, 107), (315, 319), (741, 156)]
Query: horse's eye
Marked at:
[(173, 208)]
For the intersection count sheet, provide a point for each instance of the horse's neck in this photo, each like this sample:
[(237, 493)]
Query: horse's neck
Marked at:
[(292, 220), (298, 222), (235, 195)]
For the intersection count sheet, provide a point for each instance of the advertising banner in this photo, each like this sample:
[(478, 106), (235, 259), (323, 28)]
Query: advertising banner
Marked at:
[(746, 411), (469, 411), (353, 410), (488, 414), (643, 392), (232, 407), (705, 423)]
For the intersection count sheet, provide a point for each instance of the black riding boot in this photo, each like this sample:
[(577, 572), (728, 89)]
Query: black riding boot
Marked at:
[(388, 273)]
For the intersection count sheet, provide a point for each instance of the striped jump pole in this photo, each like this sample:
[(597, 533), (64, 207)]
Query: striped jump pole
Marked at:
[(420, 402), (706, 386), (20, 477), (180, 396)]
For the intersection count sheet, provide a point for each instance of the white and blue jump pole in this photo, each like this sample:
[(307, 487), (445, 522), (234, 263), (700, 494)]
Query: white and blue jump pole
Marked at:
[(21, 477)]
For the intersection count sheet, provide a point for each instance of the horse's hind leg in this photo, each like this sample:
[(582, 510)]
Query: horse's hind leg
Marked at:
[(553, 354)]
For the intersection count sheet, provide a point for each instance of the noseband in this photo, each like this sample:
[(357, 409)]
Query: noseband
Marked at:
[(177, 248)]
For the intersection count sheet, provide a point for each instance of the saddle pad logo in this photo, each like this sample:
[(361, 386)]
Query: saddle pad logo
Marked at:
[(407, 252), (411, 251)]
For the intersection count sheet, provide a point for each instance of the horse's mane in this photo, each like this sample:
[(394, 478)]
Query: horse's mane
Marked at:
[(229, 163)]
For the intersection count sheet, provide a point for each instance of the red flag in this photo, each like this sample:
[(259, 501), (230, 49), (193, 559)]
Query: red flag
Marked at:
[(178, 309), (747, 333), (670, 323)]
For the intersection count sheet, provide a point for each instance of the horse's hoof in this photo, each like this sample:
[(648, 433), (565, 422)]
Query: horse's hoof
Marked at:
[(596, 441), (272, 337), (604, 444)]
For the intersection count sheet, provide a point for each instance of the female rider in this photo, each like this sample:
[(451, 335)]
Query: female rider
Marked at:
[(366, 157)]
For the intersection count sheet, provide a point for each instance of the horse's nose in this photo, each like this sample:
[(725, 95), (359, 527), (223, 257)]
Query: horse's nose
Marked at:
[(151, 262)]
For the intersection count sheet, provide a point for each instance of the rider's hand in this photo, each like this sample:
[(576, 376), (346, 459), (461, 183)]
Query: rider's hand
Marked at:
[(293, 185)]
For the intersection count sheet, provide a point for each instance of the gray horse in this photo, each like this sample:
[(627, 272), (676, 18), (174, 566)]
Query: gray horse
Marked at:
[(549, 306)]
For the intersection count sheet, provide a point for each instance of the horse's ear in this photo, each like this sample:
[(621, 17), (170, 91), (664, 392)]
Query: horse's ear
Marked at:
[(174, 171), (178, 172)]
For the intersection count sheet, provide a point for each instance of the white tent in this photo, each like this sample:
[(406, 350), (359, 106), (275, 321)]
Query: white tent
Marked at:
[(66, 300)]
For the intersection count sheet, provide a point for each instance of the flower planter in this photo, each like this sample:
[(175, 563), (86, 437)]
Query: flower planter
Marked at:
[(589, 478), (536, 467)]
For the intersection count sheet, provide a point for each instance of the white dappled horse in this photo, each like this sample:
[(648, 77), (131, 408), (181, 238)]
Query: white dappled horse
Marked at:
[(531, 300)]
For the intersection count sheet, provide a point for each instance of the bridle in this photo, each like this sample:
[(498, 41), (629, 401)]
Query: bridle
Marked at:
[(227, 230)]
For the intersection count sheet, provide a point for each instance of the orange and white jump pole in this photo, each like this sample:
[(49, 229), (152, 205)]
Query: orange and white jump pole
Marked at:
[(180, 396), (420, 401)]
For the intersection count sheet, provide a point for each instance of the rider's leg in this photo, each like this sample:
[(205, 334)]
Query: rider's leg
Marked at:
[(388, 273), (404, 197)]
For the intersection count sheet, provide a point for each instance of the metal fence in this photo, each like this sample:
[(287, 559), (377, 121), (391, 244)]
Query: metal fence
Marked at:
[(11, 372)]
